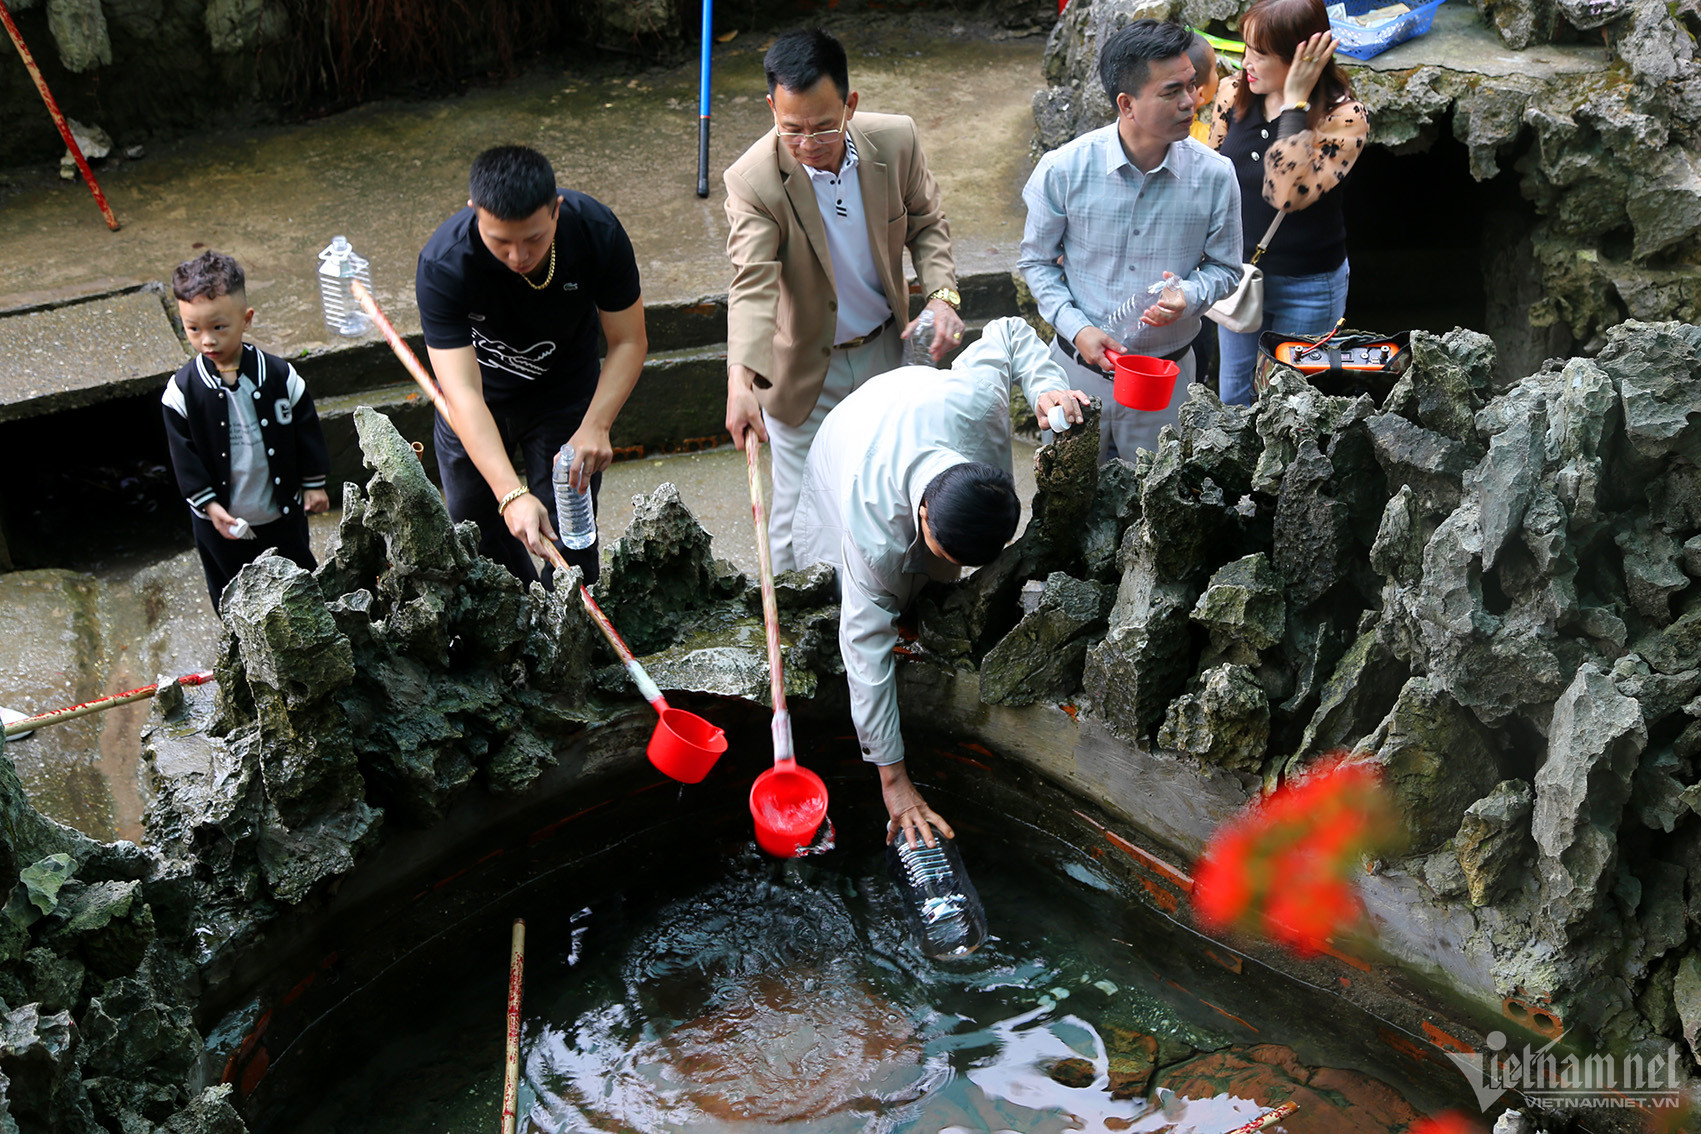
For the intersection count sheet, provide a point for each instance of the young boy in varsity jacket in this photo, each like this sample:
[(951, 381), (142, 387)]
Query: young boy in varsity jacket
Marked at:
[(245, 440)]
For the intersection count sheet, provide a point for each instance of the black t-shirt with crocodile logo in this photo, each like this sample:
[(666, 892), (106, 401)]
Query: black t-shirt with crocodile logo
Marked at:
[(536, 349)]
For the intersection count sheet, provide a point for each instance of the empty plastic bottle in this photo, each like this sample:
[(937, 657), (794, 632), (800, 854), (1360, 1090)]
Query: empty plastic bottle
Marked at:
[(574, 519), (944, 911), (339, 263), (918, 349)]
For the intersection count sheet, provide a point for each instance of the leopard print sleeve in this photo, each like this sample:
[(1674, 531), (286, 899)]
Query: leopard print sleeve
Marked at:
[(1220, 111), (1301, 167)]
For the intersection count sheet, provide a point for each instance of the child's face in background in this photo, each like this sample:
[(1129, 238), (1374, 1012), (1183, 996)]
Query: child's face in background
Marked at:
[(214, 327), (1207, 77)]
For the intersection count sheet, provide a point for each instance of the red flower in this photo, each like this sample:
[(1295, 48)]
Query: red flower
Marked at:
[(1285, 865)]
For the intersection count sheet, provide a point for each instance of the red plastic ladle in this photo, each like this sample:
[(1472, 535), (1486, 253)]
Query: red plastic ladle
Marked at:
[(684, 745)]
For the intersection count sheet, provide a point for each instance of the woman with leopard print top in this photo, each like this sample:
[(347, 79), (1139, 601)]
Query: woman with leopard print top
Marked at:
[(1293, 131)]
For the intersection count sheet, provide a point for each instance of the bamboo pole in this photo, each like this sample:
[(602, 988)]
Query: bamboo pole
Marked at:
[(58, 716), (770, 606), (1266, 1118), (58, 118), (511, 1069)]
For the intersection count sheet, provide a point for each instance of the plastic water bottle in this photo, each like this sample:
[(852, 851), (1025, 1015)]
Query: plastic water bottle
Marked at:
[(918, 350), (576, 523), (944, 911), (1120, 321), (338, 265)]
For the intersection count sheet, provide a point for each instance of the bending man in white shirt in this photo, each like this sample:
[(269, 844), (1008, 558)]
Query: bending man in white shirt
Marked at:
[(909, 480)]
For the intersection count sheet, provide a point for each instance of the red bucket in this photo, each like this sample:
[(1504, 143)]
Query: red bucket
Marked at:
[(1143, 382), (685, 746), (789, 804)]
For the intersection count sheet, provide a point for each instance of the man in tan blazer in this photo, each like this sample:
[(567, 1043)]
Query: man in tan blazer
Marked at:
[(821, 210)]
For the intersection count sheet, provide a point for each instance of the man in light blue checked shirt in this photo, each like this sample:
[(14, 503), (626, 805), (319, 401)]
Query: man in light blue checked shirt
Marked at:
[(1126, 206)]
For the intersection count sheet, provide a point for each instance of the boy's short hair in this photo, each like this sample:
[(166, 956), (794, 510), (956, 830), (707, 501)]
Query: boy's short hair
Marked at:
[(1125, 63), (972, 511), (800, 59), (1202, 55), (511, 182), (208, 276)]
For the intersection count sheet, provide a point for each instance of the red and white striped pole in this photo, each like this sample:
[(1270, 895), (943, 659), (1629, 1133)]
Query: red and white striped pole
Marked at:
[(57, 716)]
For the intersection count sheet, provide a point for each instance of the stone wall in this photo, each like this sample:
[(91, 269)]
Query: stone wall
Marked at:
[(1610, 162)]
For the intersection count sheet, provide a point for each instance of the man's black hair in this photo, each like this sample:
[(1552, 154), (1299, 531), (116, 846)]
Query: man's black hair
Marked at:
[(972, 511), (1125, 62), (799, 59), (511, 182), (208, 276)]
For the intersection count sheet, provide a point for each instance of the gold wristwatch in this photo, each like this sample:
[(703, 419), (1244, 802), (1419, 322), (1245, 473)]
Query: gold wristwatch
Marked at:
[(949, 295)]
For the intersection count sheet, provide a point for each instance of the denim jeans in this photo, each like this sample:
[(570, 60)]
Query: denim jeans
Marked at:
[(1299, 305)]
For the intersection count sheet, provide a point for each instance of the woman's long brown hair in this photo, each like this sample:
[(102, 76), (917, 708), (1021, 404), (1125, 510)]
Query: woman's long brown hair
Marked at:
[(1278, 27)]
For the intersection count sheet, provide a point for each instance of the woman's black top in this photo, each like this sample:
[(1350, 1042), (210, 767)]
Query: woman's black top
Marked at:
[(1310, 241)]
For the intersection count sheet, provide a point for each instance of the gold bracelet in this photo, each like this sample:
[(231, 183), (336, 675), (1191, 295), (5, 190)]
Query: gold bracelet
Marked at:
[(502, 505)]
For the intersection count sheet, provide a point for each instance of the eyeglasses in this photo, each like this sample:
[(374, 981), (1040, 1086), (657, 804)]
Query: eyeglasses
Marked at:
[(819, 137)]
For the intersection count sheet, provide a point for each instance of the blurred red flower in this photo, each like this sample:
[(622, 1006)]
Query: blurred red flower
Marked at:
[(1285, 866)]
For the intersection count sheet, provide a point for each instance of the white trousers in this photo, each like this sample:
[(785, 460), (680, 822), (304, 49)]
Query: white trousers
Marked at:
[(1123, 430), (789, 444)]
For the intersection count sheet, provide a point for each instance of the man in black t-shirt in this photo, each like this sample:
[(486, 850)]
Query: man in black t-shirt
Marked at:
[(512, 291)]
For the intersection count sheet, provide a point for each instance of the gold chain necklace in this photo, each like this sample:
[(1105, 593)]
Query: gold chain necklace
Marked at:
[(550, 276)]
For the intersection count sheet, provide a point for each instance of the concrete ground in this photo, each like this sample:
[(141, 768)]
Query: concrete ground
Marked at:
[(386, 174)]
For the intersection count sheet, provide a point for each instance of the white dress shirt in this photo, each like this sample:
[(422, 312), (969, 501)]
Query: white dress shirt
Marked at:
[(875, 454), (856, 281)]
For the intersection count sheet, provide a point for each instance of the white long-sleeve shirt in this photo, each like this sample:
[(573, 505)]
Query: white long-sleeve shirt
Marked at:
[(876, 453)]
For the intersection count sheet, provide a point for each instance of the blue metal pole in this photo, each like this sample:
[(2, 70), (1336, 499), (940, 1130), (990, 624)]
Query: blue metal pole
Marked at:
[(703, 102)]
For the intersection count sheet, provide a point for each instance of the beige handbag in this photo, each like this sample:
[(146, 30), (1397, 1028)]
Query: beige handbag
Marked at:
[(1243, 309)]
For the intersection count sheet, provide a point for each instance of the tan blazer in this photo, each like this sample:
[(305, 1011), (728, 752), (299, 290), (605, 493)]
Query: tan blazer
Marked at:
[(781, 310)]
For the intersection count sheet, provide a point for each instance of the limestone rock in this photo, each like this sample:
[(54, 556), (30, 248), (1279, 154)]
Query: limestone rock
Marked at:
[(1686, 994), (1115, 506), (1430, 464), (1145, 658), (1065, 480), (1655, 368), (1359, 693), (1493, 845), (1398, 550), (1312, 538), (79, 31), (1521, 22), (211, 1113), (1222, 440), (1243, 602), (1042, 658), (128, 1028), (36, 1056), (1596, 737), (660, 572), (1447, 384), (1435, 759), (404, 507), (1185, 514), (1658, 48), (236, 25), (1226, 721), (1652, 574)]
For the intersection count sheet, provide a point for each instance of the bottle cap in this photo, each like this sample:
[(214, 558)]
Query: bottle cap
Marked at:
[(241, 529), (1058, 420)]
